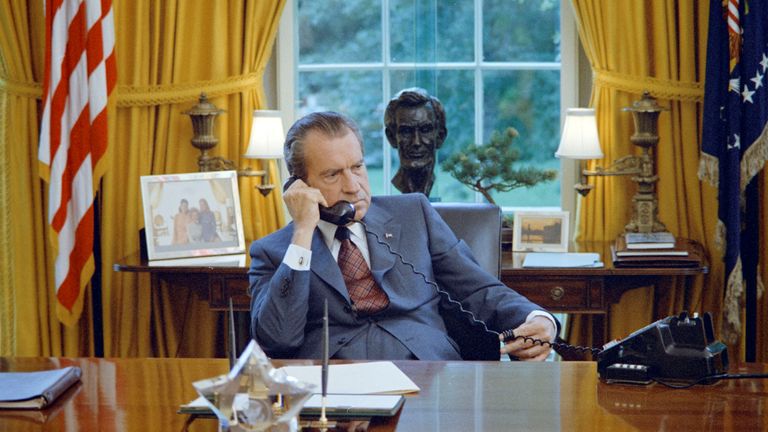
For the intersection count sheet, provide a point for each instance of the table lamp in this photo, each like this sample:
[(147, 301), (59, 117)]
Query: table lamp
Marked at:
[(580, 141), (266, 142)]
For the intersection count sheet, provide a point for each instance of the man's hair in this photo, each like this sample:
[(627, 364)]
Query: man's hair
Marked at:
[(413, 97), (329, 123)]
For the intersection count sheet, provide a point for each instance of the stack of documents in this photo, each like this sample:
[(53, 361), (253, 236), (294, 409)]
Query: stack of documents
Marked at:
[(562, 260), (685, 253), (354, 390), (381, 377), (654, 240)]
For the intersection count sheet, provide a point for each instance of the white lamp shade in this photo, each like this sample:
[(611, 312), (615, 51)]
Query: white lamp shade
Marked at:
[(579, 139), (267, 136)]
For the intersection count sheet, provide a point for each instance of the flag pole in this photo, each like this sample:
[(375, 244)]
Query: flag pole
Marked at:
[(750, 256), (96, 294)]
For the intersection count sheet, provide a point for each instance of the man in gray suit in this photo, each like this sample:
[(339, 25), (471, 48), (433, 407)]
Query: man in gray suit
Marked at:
[(294, 269)]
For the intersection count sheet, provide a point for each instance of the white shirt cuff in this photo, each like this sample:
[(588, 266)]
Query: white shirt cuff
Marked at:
[(546, 315), (297, 258)]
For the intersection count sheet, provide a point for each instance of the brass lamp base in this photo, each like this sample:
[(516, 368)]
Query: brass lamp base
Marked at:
[(203, 115), (264, 188), (583, 188), (645, 206)]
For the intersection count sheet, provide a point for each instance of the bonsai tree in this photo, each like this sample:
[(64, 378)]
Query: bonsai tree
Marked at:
[(485, 168)]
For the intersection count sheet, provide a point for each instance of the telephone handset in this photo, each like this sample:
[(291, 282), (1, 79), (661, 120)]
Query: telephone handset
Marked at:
[(341, 213)]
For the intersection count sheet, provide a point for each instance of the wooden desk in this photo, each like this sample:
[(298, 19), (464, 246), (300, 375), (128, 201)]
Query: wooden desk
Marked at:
[(587, 290), (568, 290), (221, 282), (144, 395)]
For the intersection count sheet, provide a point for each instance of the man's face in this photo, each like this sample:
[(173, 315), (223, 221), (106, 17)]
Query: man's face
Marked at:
[(335, 166), (416, 136)]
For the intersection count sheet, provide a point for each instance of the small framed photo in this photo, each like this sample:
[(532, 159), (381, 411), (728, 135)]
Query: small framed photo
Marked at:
[(540, 231), (192, 215)]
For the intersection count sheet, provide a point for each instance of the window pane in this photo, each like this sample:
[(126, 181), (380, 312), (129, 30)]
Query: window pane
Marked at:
[(509, 36), (431, 30), (545, 194), (455, 91), (356, 94), (529, 101), (437, 31), (339, 31)]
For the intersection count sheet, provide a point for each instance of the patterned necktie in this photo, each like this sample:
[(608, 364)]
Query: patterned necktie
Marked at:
[(367, 297)]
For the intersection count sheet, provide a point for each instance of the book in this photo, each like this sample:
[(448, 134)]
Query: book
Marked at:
[(623, 249), (687, 253), (656, 240), (337, 405), (651, 252), (35, 390), (26, 416), (354, 405)]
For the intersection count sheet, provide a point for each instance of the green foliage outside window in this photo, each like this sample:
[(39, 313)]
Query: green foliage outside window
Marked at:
[(494, 166), (514, 79)]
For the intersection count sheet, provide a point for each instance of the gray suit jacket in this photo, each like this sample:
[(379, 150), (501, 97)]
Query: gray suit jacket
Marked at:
[(287, 305)]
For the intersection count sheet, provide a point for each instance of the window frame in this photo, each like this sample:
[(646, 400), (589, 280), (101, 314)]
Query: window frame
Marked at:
[(285, 47)]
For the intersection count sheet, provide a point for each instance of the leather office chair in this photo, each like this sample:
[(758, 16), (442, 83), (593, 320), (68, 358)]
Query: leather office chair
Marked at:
[(479, 225)]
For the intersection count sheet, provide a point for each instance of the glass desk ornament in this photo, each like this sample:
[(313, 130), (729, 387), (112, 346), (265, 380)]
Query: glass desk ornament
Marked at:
[(254, 396)]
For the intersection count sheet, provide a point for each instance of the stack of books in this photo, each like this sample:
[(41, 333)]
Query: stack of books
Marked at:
[(659, 249)]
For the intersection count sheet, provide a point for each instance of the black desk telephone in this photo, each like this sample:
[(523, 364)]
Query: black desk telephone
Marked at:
[(676, 348), (677, 351), (341, 213)]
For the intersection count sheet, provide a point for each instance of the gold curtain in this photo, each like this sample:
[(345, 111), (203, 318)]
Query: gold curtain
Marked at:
[(167, 54), (634, 46), (27, 301)]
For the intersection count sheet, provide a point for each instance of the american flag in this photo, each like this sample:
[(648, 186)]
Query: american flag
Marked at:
[(80, 73), (735, 139)]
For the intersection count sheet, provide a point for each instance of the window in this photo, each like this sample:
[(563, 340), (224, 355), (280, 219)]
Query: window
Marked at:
[(492, 63)]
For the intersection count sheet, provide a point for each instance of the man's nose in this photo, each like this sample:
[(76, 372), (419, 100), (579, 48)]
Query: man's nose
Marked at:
[(349, 182)]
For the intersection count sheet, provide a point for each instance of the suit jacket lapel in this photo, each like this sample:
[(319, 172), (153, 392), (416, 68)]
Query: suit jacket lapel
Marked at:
[(325, 267), (383, 233)]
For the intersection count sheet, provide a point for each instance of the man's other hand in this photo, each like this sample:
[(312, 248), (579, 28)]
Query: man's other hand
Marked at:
[(539, 328)]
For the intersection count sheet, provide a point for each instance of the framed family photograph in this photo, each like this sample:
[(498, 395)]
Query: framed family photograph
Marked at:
[(540, 231), (192, 215)]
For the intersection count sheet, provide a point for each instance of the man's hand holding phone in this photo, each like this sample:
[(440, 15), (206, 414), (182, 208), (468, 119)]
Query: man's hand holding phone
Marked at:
[(303, 203)]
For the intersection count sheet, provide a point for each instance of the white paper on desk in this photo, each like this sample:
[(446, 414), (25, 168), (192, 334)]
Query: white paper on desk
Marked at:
[(381, 377), (562, 259)]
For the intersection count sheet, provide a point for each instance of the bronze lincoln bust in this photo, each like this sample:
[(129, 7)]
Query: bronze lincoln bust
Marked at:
[(415, 125)]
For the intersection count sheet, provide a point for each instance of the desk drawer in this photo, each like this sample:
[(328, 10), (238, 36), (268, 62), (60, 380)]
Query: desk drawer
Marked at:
[(221, 288), (560, 294)]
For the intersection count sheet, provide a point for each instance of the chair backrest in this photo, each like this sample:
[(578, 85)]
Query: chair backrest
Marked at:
[(479, 225)]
